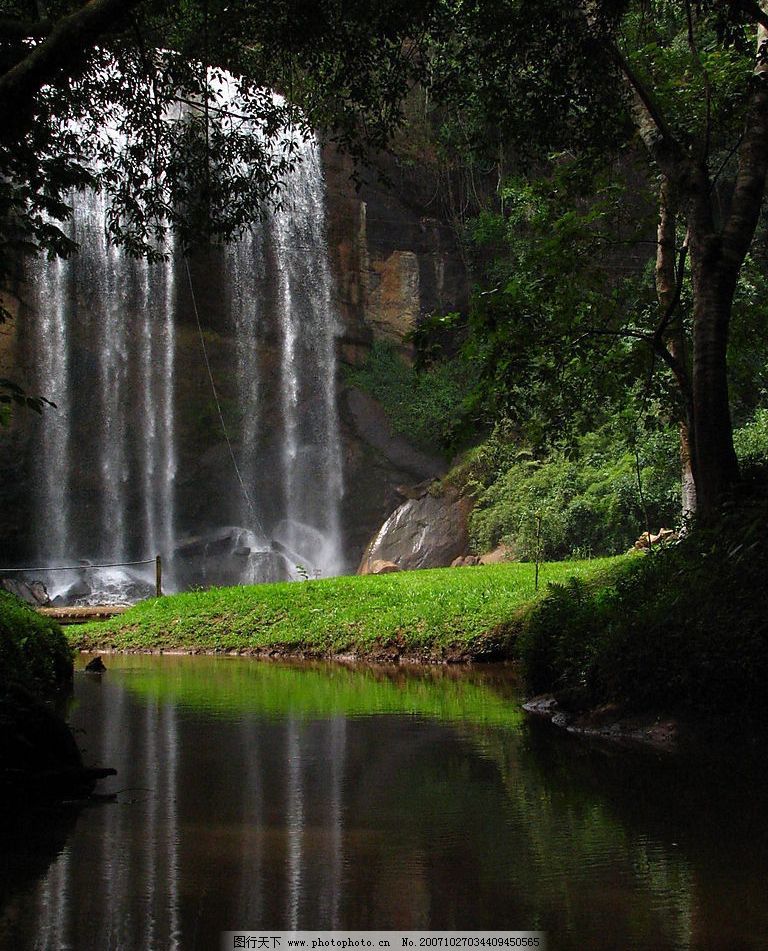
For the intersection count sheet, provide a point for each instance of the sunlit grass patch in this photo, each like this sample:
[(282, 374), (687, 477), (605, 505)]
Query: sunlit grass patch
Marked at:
[(435, 613)]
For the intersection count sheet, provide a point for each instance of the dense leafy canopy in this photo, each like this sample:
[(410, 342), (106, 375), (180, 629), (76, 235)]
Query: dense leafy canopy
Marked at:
[(149, 114)]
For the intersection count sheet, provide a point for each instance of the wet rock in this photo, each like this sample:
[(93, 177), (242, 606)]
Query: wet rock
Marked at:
[(377, 567), (33, 592), (95, 666), (229, 554), (541, 706), (78, 591), (428, 532)]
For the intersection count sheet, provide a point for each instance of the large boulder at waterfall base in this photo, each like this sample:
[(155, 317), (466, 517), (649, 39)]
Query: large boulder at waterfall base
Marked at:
[(427, 532), (31, 592)]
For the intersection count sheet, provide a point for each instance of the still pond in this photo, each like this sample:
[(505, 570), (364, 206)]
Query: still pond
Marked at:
[(261, 795)]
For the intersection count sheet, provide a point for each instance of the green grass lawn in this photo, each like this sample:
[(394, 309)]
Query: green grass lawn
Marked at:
[(436, 614)]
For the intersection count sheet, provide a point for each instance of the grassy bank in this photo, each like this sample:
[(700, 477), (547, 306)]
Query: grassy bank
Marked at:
[(446, 613), (681, 632)]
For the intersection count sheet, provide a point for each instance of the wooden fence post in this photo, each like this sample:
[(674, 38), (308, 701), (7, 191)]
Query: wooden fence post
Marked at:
[(538, 549)]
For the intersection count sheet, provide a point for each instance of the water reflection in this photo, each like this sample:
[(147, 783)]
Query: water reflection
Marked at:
[(265, 796)]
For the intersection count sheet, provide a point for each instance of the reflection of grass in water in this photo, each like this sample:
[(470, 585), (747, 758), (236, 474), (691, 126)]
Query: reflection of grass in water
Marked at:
[(238, 685)]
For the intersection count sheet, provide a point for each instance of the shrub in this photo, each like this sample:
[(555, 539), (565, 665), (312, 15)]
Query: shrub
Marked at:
[(751, 440), (425, 405), (33, 650), (681, 631), (588, 503)]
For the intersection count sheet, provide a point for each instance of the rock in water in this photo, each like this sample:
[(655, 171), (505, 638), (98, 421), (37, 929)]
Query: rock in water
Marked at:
[(95, 666)]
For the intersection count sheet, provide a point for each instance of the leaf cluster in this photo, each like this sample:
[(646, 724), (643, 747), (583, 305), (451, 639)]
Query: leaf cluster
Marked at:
[(150, 117)]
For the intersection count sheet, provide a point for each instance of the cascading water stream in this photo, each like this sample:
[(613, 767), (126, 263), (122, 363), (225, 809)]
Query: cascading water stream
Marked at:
[(312, 449), (105, 337)]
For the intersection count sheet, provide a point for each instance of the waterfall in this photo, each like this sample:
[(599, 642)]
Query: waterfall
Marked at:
[(102, 338), (311, 462), (107, 333)]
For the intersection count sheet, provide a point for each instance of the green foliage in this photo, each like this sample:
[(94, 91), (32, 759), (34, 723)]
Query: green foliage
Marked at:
[(751, 440), (426, 405), (682, 630), (588, 499), (33, 650), (748, 344), (695, 91), (430, 615), (552, 315)]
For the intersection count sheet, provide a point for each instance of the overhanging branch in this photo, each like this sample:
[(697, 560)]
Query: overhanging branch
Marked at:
[(62, 53)]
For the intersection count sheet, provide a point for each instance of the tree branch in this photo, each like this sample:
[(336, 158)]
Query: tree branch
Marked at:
[(63, 53), (13, 29), (652, 125)]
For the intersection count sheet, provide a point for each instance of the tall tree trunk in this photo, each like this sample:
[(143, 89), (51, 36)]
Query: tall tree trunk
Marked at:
[(668, 293), (717, 256), (714, 459)]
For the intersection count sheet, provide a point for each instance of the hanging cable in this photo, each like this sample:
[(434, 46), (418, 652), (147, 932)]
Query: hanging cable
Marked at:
[(256, 521)]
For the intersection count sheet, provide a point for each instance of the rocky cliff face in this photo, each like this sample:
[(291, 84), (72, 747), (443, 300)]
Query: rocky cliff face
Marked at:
[(395, 259)]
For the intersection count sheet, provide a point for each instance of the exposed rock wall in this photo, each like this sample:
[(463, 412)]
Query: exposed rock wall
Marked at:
[(394, 255), (395, 260)]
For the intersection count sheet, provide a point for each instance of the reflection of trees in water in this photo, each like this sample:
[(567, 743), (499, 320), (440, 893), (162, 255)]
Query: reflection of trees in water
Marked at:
[(249, 821), (593, 873), (29, 844), (687, 831)]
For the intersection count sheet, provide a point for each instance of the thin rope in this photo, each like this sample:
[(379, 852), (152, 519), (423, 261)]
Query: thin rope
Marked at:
[(256, 520), (120, 564)]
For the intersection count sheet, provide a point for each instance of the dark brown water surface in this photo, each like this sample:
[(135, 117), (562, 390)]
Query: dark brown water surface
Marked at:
[(282, 797)]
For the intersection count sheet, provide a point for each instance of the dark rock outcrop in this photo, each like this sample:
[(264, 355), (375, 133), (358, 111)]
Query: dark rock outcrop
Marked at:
[(428, 532), (32, 592)]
